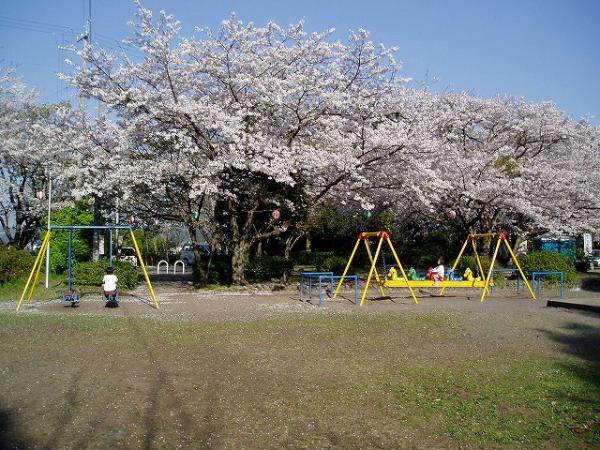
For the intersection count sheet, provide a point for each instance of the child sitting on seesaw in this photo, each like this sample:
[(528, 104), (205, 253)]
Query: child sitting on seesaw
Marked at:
[(437, 273)]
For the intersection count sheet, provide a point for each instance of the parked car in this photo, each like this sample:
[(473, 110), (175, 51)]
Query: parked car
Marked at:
[(187, 252), (595, 258), (127, 254)]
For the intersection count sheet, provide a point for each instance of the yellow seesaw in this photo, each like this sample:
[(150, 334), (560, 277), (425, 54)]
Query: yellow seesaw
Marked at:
[(469, 281)]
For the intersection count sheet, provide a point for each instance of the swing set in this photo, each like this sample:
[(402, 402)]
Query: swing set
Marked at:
[(72, 295), (391, 279)]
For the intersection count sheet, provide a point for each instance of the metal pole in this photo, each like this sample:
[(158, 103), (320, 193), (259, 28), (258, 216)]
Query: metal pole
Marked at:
[(48, 231), (70, 259), (110, 255), (117, 223)]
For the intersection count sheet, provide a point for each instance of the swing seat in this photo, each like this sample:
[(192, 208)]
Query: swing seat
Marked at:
[(112, 299), (71, 296)]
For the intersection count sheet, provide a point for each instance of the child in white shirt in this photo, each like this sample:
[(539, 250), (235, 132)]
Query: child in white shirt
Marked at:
[(109, 282), (437, 274)]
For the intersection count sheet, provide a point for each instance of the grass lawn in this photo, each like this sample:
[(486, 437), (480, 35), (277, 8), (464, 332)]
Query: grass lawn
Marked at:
[(13, 289), (420, 380)]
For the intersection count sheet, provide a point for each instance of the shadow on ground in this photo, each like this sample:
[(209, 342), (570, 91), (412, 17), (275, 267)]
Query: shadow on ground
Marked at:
[(10, 436), (582, 341)]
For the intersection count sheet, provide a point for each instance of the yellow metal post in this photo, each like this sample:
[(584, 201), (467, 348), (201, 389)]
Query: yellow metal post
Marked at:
[(337, 289), (489, 275), (139, 255), (36, 266), (374, 263), (402, 271), (516, 261), (37, 274), (479, 265), (364, 294)]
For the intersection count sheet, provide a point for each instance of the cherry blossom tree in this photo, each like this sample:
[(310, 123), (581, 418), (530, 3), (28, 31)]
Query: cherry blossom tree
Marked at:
[(221, 130), (23, 157), (510, 163)]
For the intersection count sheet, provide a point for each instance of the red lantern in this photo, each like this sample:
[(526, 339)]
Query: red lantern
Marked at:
[(451, 214), (276, 214)]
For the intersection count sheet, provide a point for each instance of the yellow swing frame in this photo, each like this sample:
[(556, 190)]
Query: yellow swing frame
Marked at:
[(381, 281), (500, 238), (404, 282), (39, 259)]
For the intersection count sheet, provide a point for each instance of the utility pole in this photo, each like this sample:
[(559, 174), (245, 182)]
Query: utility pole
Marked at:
[(48, 230), (86, 37)]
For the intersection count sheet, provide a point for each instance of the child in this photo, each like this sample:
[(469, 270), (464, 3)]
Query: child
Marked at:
[(109, 285), (437, 273)]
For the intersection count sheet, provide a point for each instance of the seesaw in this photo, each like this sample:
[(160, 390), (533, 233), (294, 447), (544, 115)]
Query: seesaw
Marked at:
[(394, 281)]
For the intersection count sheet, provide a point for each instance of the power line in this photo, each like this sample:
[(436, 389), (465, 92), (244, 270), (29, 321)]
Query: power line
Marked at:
[(33, 28), (36, 23)]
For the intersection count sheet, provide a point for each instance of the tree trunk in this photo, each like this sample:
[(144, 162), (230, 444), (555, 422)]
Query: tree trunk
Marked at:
[(291, 242), (96, 235), (239, 255), (199, 274)]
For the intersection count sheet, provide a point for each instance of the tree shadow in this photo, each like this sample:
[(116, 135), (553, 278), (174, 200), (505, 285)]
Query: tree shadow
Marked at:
[(10, 435), (591, 282), (164, 391), (67, 410), (582, 341)]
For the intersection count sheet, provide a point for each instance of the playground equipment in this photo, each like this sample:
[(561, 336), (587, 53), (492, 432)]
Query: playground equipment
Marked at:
[(393, 280), (72, 295), (310, 279), (536, 280), (381, 281), (112, 299), (500, 238)]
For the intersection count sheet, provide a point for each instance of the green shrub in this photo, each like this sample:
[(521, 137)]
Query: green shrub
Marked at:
[(81, 240), (267, 268), (335, 264), (14, 263), (316, 259), (471, 262), (90, 273), (550, 261), (219, 272)]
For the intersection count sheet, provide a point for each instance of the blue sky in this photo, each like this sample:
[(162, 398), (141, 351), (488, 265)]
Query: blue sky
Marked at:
[(539, 50)]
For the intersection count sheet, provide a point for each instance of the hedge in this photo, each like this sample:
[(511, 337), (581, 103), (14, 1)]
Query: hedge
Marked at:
[(14, 263), (267, 268), (90, 273), (550, 261)]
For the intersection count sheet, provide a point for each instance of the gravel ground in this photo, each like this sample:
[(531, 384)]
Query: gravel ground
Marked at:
[(181, 302), (504, 318)]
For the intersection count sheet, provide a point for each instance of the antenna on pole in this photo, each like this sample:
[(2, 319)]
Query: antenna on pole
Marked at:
[(85, 37)]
